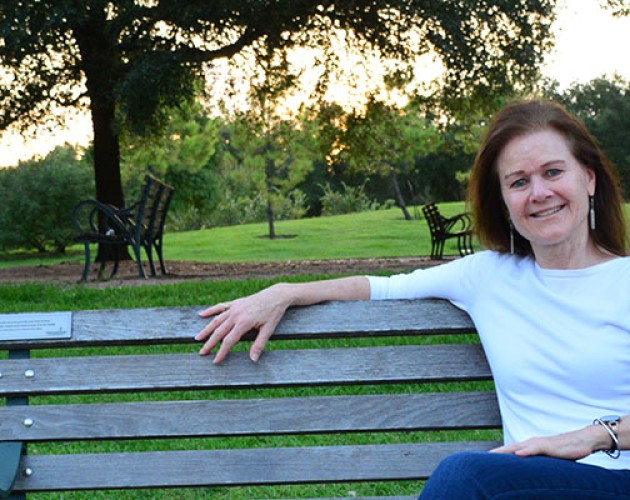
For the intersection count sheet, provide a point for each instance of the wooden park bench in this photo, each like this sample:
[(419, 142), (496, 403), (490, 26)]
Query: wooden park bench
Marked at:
[(445, 228), (394, 388), (138, 226)]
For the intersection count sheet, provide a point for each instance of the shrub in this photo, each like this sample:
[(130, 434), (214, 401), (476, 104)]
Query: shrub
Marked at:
[(351, 199), (37, 200), (292, 206), (234, 210)]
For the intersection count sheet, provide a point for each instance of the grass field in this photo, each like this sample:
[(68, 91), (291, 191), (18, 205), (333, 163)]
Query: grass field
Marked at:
[(381, 233)]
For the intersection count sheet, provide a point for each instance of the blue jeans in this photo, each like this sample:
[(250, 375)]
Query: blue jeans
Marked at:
[(481, 475)]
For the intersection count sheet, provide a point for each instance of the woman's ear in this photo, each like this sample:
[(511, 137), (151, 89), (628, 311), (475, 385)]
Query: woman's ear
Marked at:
[(592, 181)]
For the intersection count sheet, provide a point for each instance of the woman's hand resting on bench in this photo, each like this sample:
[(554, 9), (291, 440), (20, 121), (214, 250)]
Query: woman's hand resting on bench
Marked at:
[(263, 311)]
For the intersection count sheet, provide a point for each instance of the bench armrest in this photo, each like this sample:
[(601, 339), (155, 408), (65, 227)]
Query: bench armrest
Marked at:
[(87, 213), (463, 220)]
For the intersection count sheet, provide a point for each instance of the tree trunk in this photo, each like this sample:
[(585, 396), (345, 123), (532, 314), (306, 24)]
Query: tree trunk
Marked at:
[(100, 63), (269, 171), (400, 201), (270, 220), (107, 169)]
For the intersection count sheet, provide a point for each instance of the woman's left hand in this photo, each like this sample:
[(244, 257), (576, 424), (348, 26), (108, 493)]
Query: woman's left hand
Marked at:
[(569, 445)]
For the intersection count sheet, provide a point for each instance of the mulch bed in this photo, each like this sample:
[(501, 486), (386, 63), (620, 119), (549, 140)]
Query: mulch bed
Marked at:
[(178, 271)]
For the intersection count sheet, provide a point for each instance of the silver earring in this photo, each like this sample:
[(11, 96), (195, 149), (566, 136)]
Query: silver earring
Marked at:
[(511, 238), (591, 212)]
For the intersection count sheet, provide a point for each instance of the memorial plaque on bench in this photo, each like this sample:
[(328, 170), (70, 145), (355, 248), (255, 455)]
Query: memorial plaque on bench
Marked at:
[(36, 326)]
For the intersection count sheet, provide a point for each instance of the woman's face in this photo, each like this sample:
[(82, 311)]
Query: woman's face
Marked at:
[(546, 190)]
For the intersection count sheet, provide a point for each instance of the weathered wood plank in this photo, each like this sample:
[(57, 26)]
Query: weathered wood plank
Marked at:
[(334, 319), (371, 413), (275, 368), (237, 467)]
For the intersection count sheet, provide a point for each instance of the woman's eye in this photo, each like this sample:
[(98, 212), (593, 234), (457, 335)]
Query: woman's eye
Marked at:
[(518, 183), (553, 172)]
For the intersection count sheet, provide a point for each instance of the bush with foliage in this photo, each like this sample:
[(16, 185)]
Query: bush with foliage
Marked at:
[(350, 199), (38, 197)]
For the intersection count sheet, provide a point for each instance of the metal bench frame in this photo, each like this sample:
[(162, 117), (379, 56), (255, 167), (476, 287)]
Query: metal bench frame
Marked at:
[(139, 226), (443, 228)]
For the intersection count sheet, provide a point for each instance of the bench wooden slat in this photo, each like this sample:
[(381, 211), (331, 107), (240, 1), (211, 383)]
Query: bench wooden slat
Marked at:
[(276, 368), (164, 325), (368, 413), (263, 466)]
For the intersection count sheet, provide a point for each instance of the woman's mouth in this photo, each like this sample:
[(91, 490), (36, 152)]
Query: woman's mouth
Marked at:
[(548, 211)]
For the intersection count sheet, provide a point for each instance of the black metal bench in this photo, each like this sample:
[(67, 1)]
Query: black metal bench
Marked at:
[(138, 226), (443, 228), (392, 382)]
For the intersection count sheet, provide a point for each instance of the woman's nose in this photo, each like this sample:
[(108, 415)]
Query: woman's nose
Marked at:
[(539, 189)]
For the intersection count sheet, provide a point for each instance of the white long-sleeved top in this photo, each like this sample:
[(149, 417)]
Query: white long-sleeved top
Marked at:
[(558, 341)]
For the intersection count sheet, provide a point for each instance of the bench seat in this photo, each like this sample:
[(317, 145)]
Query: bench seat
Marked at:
[(364, 370)]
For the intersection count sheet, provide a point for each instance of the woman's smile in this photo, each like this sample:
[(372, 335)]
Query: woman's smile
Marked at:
[(547, 212)]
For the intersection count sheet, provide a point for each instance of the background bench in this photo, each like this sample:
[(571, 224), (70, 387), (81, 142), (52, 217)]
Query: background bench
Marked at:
[(139, 226), (404, 395), (442, 228)]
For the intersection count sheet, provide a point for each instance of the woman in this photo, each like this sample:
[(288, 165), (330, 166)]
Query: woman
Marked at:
[(549, 299)]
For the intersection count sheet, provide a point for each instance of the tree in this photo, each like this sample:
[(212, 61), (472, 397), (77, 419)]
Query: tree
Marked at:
[(276, 154), (180, 155), (129, 60), (604, 107), (384, 141), (619, 7)]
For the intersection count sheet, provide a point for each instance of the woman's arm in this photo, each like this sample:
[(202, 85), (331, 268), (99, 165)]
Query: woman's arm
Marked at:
[(572, 445), (263, 311)]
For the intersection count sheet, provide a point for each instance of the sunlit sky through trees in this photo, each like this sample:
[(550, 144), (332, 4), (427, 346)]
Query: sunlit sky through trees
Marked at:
[(590, 43)]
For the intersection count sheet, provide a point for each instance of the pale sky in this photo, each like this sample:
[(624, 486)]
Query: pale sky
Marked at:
[(590, 43)]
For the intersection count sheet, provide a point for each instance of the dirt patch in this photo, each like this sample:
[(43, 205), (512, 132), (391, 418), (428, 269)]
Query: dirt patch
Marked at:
[(178, 271)]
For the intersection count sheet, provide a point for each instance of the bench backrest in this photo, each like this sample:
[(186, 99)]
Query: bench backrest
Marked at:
[(152, 209), (376, 373), (435, 220)]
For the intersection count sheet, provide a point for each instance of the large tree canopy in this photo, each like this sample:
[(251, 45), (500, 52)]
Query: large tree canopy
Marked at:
[(129, 60)]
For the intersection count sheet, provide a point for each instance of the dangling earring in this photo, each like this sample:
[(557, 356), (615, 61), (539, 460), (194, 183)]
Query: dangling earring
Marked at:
[(511, 238), (591, 213)]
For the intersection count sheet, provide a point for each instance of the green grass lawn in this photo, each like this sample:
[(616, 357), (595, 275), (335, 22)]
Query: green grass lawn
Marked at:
[(381, 233)]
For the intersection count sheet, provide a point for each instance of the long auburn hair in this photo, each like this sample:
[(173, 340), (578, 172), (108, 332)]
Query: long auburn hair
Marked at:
[(490, 214)]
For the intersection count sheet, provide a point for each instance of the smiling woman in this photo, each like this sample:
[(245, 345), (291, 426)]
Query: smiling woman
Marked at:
[(547, 191), (505, 198)]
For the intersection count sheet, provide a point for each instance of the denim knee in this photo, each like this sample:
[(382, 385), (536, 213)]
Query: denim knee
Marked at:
[(458, 476)]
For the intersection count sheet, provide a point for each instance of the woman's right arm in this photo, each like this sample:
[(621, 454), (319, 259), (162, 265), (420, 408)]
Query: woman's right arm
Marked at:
[(263, 311)]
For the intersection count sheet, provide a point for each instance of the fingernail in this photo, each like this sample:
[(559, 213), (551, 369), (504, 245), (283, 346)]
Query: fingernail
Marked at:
[(254, 356)]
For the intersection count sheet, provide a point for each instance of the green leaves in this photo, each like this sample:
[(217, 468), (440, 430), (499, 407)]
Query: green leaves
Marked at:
[(37, 201)]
